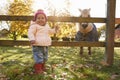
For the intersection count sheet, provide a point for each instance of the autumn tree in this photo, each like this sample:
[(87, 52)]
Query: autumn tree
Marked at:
[(19, 7), (67, 29)]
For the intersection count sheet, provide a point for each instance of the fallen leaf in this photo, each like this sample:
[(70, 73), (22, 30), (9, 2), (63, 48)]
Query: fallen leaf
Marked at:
[(104, 63), (114, 76)]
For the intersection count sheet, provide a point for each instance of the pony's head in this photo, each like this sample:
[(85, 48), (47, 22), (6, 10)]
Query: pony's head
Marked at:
[(85, 27), (84, 13)]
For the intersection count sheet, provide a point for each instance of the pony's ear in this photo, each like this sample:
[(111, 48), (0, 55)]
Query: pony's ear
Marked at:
[(80, 10), (89, 9)]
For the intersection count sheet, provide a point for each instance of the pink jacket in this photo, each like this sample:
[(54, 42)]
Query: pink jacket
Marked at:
[(41, 34)]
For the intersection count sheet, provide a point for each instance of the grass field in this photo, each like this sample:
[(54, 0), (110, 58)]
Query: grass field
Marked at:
[(64, 63)]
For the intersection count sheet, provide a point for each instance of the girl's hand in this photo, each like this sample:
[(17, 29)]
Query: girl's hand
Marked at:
[(57, 28), (32, 41)]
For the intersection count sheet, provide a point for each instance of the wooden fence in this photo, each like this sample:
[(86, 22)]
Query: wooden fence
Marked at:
[(57, 19)]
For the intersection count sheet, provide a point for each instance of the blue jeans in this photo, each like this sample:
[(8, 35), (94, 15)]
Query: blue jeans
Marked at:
[(40, 53)]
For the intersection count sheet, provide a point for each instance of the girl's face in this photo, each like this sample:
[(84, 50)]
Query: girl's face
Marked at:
[(40, 19)]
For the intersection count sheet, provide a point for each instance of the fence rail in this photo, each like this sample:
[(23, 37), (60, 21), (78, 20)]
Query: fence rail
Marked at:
[(57, 43), (57, 19), (52, 18)]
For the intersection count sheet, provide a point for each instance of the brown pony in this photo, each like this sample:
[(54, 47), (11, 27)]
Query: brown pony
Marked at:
[(87, 31)]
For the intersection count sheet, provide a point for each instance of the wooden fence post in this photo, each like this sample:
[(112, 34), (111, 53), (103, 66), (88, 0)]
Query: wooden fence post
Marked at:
[(110, 23)]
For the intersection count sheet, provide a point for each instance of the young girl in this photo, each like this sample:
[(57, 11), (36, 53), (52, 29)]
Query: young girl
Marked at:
[(38, 34)]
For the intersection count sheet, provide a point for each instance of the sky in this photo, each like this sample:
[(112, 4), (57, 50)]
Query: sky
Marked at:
[(98, 7)]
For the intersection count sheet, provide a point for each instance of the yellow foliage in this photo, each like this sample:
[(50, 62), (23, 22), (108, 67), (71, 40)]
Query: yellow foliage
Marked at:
[(19, 7), (66, 29)]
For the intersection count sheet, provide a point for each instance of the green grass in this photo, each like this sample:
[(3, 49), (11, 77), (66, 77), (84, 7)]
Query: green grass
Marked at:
[(64, 63)]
